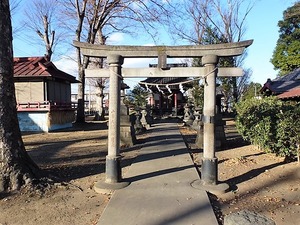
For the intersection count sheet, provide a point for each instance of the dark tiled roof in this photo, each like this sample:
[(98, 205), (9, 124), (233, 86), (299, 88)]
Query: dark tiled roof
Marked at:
[(295, 75), (283, 84), (164, 80), (32, 67)]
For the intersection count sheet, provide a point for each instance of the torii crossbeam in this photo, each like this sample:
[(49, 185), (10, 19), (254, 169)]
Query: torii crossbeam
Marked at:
[(210, 56)]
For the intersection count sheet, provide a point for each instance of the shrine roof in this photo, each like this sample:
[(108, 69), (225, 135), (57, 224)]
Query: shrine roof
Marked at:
[(165, 80), (34, 67), (293, 93), (283, 84), (166, 84)]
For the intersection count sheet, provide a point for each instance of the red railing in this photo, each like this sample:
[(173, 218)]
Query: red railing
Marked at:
[(45, 106)]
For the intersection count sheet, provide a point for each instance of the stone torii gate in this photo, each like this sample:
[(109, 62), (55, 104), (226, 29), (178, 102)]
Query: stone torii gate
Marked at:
[(115, 56)]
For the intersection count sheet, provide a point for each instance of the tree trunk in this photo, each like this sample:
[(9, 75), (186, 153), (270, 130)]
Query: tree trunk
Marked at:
[(16, 167), (80, 116)]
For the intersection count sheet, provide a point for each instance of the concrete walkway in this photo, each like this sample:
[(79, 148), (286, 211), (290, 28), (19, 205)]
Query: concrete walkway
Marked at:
[(160, 192)]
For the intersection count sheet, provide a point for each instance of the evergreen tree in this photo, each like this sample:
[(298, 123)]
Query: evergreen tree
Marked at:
[(286, 56), (138, 96)]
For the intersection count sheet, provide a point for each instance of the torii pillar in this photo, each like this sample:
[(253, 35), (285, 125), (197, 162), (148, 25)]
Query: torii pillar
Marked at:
[(113, 170), (209, 165), (209, 161)]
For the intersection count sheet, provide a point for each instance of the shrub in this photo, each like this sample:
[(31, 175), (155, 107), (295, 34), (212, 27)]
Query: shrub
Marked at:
[(271, 124), (288, 130)]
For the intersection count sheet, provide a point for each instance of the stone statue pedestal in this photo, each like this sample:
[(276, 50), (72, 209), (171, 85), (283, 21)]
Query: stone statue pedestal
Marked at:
[(127, 131), (145, 119), (188, 117), (220, 138), (199, 138), (219, 131), (197, 120), (138, 126)]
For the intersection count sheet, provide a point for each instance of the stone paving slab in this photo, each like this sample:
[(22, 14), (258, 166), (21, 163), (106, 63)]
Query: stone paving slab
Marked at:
[(160, 192)]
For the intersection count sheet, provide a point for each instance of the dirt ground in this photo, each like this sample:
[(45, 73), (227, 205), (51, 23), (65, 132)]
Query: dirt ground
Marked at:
[(260, 182), (76, 157)]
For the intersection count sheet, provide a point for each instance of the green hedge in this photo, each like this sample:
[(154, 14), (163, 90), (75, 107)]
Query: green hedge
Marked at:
[(271, 124)]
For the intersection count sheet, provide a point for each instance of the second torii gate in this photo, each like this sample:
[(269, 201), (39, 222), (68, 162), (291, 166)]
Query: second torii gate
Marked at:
[(210, 56)]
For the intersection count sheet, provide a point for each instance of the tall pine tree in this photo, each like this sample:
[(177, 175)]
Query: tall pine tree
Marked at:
[(286, 56)]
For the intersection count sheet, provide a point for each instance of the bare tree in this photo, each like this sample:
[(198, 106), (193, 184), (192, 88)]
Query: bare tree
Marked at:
[(212, 22), (99, 84), (97, 19), (41, 17), (14, 9), (16, 167)]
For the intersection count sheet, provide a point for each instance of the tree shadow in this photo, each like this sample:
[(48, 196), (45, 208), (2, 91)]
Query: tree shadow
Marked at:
[(247, 195), (201, 208), (157, 173), (232, 182), (64, 162), (244, 157), (58, 159), (86, 126), (234, 142), (74, 164), (65, 169), (45, 152)]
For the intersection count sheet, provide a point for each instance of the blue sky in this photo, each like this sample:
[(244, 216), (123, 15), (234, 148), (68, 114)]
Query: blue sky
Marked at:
[(261, 27)]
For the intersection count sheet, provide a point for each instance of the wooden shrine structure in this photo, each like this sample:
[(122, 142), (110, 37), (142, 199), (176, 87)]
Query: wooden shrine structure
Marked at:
[(167, 92)]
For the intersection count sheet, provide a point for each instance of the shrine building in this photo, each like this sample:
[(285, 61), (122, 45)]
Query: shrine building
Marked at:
[(167, 93), (43, 95)]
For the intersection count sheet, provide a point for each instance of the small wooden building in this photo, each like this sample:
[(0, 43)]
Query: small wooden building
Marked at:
[(43, 95), (286, 87)]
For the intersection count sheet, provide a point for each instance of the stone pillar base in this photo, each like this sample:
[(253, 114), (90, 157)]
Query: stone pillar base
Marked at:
[(113, 169), (209, 178), (209, 171), (113, 179), (106, 188), (217, 189)]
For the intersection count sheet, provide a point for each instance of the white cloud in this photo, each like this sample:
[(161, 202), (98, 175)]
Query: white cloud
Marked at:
[(138, 62), (67, 64), (115, 38)]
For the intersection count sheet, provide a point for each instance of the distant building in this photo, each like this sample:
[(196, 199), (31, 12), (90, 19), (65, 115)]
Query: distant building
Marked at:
[(166, 97), (285, 88), (90, 101), (43, 95)]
